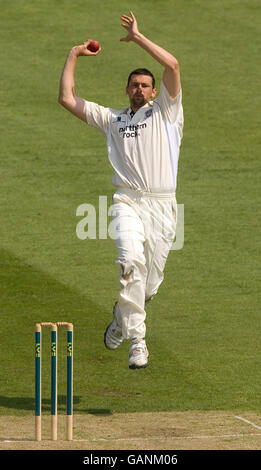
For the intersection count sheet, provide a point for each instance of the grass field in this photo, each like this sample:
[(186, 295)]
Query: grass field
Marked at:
[(204, 326)]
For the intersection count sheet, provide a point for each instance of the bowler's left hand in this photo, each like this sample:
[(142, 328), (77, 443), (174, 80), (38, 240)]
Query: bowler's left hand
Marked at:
[(130, 24)]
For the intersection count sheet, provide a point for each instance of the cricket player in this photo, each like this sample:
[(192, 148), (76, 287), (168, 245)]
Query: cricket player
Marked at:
[(143, 144)]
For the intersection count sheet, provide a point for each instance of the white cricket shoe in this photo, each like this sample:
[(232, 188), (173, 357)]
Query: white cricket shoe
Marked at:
[(113, 334), (139, 354)]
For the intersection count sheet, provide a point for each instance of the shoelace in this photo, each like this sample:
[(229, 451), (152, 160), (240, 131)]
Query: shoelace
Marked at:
[(138, 348)]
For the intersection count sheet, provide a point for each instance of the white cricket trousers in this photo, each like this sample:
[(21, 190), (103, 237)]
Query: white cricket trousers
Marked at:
[(144, 229)]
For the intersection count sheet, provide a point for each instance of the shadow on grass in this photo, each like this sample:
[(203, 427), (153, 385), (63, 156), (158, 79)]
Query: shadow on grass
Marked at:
[(27, 404)]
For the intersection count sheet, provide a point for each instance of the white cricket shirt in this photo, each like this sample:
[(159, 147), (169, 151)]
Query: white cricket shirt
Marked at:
[(144, 149)]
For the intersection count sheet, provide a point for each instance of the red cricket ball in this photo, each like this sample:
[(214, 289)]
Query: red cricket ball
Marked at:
[(93, 46)]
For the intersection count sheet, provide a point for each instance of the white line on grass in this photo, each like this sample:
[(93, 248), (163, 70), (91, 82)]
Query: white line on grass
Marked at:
[(249, 422)]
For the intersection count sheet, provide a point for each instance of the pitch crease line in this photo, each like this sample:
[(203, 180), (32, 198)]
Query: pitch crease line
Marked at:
[(248, 422), (168, 438)]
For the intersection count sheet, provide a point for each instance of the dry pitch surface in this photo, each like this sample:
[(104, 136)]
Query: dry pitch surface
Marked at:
[(195, 430)]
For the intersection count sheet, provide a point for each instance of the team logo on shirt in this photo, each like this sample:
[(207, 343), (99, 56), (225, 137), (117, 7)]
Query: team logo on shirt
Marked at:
[(148, 114)]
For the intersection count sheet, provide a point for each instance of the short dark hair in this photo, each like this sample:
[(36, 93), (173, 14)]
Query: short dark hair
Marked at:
[(142, 72)]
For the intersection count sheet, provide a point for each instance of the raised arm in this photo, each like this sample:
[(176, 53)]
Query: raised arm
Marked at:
[(171, 74), (67, 96)]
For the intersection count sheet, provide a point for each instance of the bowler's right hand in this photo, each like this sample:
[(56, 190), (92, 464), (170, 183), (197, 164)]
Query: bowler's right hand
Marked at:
[(82, 49)]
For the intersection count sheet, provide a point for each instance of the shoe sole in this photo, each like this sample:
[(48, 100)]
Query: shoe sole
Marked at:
[(134, 366), (104, 338)]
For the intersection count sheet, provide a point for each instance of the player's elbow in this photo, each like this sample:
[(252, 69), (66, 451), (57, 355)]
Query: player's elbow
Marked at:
[(65, 102), (173, 65), (61, 99)]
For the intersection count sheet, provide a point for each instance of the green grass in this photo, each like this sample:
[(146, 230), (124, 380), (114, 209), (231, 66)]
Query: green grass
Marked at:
[(203, 328)]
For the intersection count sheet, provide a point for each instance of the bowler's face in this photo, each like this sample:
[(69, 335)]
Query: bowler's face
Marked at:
[(140, 91)]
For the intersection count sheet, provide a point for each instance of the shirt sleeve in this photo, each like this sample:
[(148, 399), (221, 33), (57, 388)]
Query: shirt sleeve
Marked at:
[(97, 116), (171, 108)]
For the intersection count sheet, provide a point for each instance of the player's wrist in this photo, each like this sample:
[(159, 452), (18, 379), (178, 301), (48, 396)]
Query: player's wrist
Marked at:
[(138, 37), (74, 52)]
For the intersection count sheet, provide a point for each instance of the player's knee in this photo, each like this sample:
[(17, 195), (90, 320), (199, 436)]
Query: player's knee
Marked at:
[(126, 270), (130, 271)]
